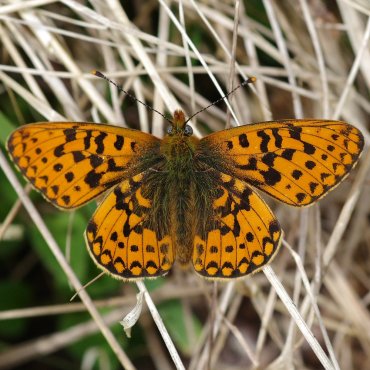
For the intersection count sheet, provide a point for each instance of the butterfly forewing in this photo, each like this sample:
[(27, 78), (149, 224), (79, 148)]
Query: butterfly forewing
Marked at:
[(120, 236), (241, 236), (71, 163), (295, 161)]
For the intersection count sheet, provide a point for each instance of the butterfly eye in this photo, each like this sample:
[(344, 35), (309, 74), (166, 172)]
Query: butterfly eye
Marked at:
[(188, 131), (170, 130)]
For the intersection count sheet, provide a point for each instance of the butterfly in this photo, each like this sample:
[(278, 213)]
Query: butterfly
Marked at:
[(180, 197)]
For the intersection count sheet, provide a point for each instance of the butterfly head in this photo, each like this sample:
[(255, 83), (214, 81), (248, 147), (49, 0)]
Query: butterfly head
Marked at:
[(178, 125)]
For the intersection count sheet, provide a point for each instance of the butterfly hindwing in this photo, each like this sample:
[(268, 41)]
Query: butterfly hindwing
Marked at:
[(295, 161), (121, 238), (241, 236), (71, 163)]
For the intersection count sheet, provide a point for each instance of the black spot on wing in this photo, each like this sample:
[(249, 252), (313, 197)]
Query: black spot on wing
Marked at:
[(324, 175), (126, 229), (70, 134), (149, 249), (87, 139), (288, 154), (99, 141), (243, 141), (69, 176), (152, 264), (135, 264), (300, 197), (295, 132), (134, 248), (93, 179), (277, 137), (335, 137), (229, 249), (119, 261), (118, 144), (58, 167), (265, 140), (274, 227), (296, 174), (55, 189), (313, 186), (78, 156), (59, 150), (66, 199), (114, 236), (95, 160), (331, 148), (269, 159), (212, 264), (271, 176), (310, 165), (308, 148)]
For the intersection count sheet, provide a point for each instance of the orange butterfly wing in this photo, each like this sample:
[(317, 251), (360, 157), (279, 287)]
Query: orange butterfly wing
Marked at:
[(241, 236), (122, 238), (71, 163), (295, 161)]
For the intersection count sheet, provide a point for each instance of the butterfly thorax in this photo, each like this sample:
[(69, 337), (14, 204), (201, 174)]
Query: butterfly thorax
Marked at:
[(178, 146)]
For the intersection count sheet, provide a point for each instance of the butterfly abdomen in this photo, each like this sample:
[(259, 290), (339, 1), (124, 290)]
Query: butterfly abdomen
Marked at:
[(181, 225), (190, 208)]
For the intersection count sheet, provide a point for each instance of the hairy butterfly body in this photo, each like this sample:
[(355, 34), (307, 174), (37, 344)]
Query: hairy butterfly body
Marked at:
[(183, 198)]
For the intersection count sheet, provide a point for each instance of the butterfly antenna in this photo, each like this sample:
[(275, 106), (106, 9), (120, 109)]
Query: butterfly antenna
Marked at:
[(250, 80), (101, 75)]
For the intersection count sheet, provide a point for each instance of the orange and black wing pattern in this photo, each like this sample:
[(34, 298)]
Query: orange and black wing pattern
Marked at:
[(240, 237), (294, 161), (71, 163), (121, 236)]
